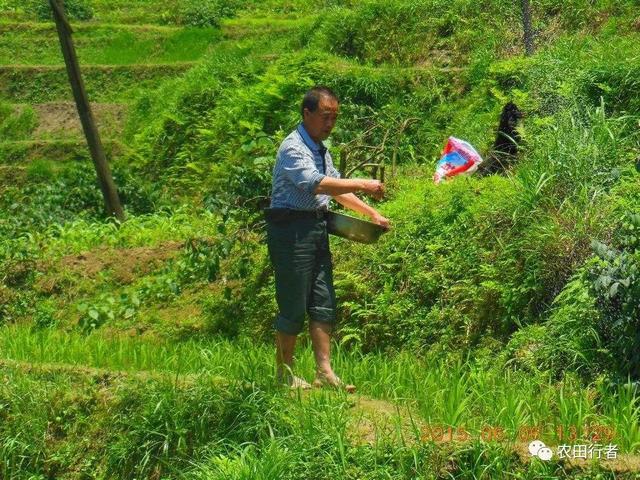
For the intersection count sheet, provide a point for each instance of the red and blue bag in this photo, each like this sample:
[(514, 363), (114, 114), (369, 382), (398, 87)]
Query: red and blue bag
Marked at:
[(457, 157)]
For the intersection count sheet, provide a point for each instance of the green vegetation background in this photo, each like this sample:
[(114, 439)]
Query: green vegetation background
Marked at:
[(534, 272)]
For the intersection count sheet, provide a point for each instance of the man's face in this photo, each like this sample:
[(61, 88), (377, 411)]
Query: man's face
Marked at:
[(320, 123)]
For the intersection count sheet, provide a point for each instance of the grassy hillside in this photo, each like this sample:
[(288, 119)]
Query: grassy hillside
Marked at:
[(497, 304)]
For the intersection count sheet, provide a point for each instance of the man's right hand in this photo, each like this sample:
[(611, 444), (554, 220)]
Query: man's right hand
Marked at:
[(375, 188)]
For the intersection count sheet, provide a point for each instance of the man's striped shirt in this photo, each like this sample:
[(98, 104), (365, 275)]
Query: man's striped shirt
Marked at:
[(298, 170)]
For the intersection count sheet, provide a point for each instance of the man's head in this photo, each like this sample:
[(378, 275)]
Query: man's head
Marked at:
[(319, 112)]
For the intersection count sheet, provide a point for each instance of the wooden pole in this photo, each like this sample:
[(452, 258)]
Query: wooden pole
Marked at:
[(528, 30), (109, 191)]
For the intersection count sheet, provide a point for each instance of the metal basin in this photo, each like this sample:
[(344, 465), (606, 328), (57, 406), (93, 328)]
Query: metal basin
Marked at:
[(353, 228)]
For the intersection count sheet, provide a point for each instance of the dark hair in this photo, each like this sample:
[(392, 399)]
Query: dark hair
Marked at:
[(312, 98)]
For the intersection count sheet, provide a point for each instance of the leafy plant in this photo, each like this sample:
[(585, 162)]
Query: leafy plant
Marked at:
[(205, 13), (107, 308), (74, 9), (616, 285)]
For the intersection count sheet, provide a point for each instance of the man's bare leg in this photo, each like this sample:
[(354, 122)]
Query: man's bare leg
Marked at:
[(321, 340), (285, 346)]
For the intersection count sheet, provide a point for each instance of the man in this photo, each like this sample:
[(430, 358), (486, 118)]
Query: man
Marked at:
[(304, 180)]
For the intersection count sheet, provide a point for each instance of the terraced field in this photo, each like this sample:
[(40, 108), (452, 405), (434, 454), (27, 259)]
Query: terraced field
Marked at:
[(123, 50)]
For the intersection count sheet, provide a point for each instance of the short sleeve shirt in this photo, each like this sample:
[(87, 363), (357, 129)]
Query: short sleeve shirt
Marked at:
[(298, 170)]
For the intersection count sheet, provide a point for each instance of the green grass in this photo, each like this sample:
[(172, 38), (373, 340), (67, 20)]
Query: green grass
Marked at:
[(248, 26), (117, 11), (456, 395), (475, 311), (31, 84), (151, 389), (15, 152), (161, 13), (105, 45)]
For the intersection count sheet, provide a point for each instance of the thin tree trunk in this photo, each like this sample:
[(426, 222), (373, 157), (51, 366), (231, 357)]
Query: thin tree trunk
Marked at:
[(109, 191), (528, 30)]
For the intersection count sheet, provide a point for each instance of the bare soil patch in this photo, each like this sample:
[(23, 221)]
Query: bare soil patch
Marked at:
[(61, 119), (125, 263)]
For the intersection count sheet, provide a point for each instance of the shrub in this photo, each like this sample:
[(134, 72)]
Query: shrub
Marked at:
[(594, 327), (205, 13), (572, 339), (615, 283), (74, 9), (405, 31)]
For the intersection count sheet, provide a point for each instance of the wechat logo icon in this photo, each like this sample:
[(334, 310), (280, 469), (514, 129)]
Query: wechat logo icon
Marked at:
[(540, 450)]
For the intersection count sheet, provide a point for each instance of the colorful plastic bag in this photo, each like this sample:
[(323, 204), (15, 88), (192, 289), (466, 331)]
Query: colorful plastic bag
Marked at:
[(458, 157)]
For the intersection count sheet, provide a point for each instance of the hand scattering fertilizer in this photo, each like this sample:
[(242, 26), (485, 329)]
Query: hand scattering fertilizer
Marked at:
[(458, 157)]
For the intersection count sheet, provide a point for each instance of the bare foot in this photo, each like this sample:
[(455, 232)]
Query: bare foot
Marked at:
[(332, 380)]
